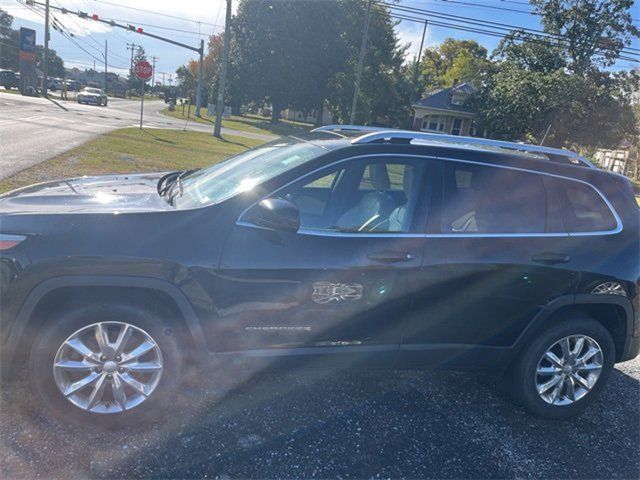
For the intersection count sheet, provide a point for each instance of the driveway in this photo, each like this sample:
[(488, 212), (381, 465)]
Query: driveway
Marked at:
[(310, 424)]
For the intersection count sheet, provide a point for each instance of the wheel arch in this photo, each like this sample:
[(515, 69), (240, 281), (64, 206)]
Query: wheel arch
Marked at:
[(615, 313), (158, 296)]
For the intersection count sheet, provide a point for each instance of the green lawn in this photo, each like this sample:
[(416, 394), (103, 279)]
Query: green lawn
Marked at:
[(247, 123), (133, 150)]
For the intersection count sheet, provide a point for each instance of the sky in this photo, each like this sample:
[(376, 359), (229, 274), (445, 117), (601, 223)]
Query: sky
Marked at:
[(189, 20)]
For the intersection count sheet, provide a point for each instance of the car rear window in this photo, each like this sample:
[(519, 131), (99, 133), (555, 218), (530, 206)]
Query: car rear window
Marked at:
[(479, 199), (584, 209)]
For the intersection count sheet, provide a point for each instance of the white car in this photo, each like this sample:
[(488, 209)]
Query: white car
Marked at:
[(95, 96)]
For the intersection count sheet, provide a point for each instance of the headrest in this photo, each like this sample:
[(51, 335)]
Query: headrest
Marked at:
[(379, 176)]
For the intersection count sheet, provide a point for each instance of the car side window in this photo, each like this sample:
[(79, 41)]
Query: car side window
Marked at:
[(479, 199), (361, 197), (583, 208)]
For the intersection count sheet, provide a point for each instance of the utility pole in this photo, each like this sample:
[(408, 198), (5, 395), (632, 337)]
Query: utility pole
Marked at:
[(417, 69), (132, 47), (162, 79), (223, 76), (199, 87), (363, 49), (153, 73), (45, 70), (105, 65)]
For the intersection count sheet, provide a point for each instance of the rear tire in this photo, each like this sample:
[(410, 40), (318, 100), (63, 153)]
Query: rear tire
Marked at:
[(48, 348), (568, 396)]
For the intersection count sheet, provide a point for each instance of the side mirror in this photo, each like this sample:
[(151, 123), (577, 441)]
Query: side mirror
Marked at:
[(275, 214)]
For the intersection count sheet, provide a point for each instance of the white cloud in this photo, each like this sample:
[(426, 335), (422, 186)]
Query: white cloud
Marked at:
[(411, 33), (199, 15)]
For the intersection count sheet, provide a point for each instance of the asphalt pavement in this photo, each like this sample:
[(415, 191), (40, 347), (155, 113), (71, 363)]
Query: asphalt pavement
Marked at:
[(347, 424), (33, 130)]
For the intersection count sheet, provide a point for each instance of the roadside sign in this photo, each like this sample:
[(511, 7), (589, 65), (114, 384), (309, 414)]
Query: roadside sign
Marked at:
[(27, 61), (27, 40), (143, 70)]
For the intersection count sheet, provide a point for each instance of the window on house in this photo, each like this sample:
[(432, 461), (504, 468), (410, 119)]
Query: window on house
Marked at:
[(456, 128), (457, 99), (434, 123)]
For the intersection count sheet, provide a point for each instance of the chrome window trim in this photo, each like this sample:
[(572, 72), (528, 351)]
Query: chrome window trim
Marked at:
[(8, 237), (329, 233)]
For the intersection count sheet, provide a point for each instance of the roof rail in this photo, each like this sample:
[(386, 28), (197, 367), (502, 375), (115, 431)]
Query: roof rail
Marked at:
[(382, 135)]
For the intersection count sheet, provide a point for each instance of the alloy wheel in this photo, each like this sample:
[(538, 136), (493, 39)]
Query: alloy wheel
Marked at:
[(568, 370), (108, 367)]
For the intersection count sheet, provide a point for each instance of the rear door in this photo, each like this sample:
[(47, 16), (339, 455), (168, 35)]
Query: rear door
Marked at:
[(495, 254)]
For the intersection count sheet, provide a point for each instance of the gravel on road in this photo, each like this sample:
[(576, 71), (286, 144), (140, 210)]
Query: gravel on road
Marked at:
[(334, 424)]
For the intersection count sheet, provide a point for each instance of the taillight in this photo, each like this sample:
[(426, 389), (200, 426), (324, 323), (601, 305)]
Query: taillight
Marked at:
[(10, 241)]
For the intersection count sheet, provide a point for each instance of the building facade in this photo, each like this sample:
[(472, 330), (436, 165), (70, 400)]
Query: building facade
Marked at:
[(445, 111)]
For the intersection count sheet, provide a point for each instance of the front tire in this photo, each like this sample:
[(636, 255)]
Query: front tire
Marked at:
[(108, 365), (563, 370)]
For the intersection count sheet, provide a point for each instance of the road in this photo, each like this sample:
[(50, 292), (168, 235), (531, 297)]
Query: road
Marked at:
[(33, 130), (339, 424)]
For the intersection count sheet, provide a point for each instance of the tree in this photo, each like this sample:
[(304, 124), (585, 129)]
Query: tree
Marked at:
[(8, 42), (384, 89), (527, 52), (453, 61), (55, 64), (303, 55), (594, 31), (287, 51), (554, 89), (186, 81)]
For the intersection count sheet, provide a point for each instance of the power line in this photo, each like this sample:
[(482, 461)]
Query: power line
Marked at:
[(71, 38), (504, 9), (466, 21), (113, 4), (483, 23), (81, 27), (482, 31)]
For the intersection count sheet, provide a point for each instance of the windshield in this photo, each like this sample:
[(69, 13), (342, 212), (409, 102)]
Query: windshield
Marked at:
[(243, 172), (93, 90)]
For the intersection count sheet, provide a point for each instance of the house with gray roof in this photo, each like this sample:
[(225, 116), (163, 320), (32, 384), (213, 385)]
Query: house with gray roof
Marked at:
[(444, 111)]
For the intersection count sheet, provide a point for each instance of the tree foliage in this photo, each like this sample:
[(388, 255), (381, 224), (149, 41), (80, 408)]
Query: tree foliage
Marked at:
[(453, 61), (303, 55), (555, 89), (594, 31)]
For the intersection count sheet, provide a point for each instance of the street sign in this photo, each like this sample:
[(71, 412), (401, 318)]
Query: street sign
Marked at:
[(143, 70)]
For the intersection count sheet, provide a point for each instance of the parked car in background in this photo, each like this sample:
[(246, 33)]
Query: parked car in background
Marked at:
[(94, 96), (358, 246), (72, 86), (9, 79), (55, 84)]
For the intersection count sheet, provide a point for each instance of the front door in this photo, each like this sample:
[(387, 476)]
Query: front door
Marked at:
[(345, 280)]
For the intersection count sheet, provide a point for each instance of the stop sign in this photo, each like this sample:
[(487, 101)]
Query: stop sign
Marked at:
[(143, 70)]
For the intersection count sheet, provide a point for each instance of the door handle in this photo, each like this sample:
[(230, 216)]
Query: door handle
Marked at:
[(549, 258), (390, 256)]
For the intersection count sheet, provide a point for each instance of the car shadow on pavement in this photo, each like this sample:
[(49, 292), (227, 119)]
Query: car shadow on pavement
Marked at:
[(313, 423)]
